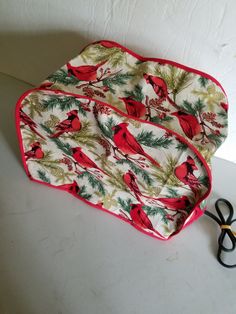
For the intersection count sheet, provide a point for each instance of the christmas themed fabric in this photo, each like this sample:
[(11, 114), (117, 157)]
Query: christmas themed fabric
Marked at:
[(126, 134)]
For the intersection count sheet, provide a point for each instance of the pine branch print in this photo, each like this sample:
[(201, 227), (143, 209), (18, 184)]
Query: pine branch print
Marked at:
[(154, 210), (165, 174), (84, 137), (222, 114), (30, 137), (199, 106), (114, 55), (137, 170), (53, 167), (176, 79), (181, 146), (216, 138), (65, 147), (181, 81), (204, 180), (159, 120), (203, 81), (137, 70), (116, 180), (189, 108), (61, 77), (42, 176), (112, 99), (135, 94), (93, 181), (125, 204), (64, 103), (83, 193), (193, 108), (34, 105), (206, 120), (107, 127), (172, 192), (147, 138), (118, 79)]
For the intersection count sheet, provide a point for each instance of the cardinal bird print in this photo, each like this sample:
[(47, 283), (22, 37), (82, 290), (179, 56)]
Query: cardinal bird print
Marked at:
[(184, 172), (83, 160), (84, 72), (139, 217), (35, 151), (71, 124), (130, 135), (127, 143), (30, 123), (158, 84), (72, 188), (175, 203), (130, 180), (134, 108), (189, 123)]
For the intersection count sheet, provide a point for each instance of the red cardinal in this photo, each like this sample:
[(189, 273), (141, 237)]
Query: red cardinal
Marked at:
[(139, 217), (35, 152), (159, 86), (133, 107), (84, 72), (127, 143), (188, 123), (71, 124), (130, 180), (184, 173), (175, 203), (224, 106), (31, 124), (71, 187), (83, 160)]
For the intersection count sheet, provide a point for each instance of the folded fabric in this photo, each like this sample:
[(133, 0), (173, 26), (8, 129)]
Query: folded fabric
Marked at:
[(129, 135)]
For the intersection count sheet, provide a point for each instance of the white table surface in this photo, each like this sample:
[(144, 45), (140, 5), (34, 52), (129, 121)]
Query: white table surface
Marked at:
[(61, 256)]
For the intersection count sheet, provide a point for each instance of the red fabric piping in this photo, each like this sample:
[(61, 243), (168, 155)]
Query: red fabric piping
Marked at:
[(162, 61), (17, 120)]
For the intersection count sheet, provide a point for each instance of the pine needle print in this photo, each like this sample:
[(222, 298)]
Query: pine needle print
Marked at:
[(136, 93), (203, 81), (64, 103), (42, 176), (137, 170), (117, 80), (165, 175), (125, 204), (147, 138), (65, 147), (84, 137), (98, 53), (176, 79), (154, 210), (93, 181), (83, 193), (61, 77)]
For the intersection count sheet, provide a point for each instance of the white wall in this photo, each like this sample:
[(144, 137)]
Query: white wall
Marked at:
[(36, 37)]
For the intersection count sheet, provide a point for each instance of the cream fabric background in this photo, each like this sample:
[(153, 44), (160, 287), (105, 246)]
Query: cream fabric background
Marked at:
[(37, 37)]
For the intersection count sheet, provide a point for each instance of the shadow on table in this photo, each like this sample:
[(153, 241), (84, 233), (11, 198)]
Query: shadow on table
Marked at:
[(31, 58)]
